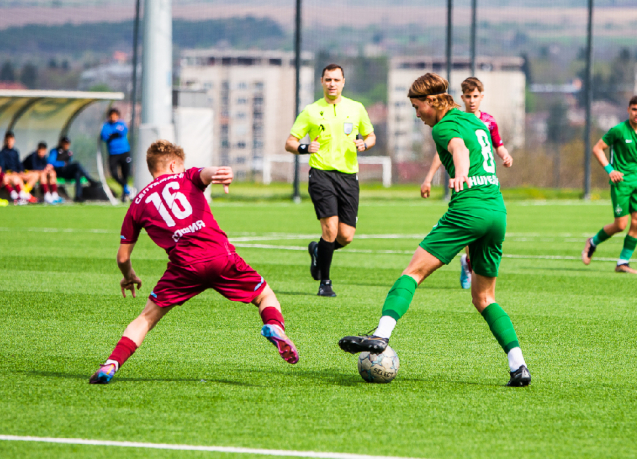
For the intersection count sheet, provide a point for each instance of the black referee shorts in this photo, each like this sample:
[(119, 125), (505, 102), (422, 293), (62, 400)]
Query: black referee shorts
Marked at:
[(334, 194)]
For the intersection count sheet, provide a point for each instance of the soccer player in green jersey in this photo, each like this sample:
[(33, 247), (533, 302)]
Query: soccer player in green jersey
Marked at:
[(472, 95), (622, 170), (476, 217), (334, 123)]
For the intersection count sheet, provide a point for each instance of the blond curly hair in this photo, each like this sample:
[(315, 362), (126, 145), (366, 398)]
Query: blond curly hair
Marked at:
[(160, 153), (432, 88)]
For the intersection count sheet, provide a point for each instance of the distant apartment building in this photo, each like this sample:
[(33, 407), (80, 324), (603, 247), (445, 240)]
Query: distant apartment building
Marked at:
[(252, 94), (504, 82)]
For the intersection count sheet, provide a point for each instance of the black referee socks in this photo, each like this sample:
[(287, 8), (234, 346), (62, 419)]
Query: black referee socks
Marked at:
[(325, 253)]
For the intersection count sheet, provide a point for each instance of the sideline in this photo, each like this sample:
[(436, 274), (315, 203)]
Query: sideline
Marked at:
[(218, 449)]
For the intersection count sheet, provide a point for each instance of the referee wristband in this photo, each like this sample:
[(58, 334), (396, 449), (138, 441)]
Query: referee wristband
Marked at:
[(303, 149), (608, 168)]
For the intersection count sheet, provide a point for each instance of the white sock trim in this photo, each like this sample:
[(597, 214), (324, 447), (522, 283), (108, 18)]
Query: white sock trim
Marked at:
[(622, 262), (109, 361), (385, 327), (516, 359)]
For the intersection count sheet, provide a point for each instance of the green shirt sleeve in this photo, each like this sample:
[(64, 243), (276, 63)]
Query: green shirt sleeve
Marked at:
[(609, 137), (302, 125), (443, 132), (365, 127)]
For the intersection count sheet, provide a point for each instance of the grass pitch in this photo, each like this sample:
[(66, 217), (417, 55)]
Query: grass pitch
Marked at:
[(205, 376)]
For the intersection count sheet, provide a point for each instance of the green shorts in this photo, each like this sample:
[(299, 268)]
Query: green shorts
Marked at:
[(624, 197), (482, 230)]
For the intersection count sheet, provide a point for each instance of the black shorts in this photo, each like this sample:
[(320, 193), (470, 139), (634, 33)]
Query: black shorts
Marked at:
[(334, 194)]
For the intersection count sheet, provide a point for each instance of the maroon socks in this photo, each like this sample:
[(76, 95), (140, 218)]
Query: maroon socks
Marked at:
[(124, 349), (273, 316)]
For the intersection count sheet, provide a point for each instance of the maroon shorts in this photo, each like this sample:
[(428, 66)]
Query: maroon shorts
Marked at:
[(228, 275)]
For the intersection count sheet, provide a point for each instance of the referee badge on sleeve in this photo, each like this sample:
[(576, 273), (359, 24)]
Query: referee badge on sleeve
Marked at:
[(348, 128)]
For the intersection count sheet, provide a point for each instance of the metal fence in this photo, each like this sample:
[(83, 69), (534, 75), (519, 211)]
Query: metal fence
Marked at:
[(531, 57)]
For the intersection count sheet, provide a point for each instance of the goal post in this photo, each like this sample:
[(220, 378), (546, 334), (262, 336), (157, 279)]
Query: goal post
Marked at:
[(280, 168)]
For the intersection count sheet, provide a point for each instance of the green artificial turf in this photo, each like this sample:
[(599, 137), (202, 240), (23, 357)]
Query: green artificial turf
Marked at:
[(205, 376)]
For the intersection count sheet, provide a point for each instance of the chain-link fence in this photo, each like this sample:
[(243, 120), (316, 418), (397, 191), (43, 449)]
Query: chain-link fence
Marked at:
[(239, 56)]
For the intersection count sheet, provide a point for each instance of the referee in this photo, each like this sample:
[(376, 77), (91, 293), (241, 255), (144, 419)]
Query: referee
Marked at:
[(334, 124)]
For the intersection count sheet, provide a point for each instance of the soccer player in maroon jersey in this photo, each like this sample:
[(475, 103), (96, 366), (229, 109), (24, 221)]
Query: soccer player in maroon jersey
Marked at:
[(472, 95), (174, 212)]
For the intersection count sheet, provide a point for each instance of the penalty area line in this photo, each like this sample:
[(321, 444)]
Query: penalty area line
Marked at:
[(176, 447)]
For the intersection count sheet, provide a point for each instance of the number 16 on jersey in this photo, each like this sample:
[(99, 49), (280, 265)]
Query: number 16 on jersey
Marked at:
[(172, 200)]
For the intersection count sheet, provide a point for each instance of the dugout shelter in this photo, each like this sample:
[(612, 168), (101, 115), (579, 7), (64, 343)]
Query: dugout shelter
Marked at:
[(35, 115)]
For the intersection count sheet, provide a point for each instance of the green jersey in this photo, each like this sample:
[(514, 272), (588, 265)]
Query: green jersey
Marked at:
[(485, 187), (336, 126), (622, 140)]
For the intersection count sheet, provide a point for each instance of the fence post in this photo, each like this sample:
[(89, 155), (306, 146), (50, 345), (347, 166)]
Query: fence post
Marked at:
[(445, 181), (296, 197), (589, 102), (474, 15)]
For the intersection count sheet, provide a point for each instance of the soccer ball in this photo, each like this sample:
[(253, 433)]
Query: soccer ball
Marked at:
[(379, 368)]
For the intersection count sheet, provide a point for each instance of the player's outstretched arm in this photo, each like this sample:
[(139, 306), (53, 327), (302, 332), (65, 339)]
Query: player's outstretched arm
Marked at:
[(425, 188), (461, 163), (504, 155), (598, 152), (130, 279), (217, 176)]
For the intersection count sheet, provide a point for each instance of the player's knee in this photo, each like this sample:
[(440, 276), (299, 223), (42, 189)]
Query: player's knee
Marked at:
[(267, 297), (621, 224), (481, 301), (345, 239), (329, 234)]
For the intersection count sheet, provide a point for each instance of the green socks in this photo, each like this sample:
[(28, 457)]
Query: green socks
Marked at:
[(399, 297), (600, 237), (501, 326), (629, 247)]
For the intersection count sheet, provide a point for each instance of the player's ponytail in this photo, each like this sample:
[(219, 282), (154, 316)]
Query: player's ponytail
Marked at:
[(432, 88)]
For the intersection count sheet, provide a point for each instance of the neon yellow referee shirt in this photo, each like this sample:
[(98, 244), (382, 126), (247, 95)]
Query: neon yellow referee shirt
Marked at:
[(336, 126)]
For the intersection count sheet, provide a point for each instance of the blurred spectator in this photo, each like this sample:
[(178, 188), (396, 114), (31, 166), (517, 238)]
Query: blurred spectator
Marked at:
[(38, 162), (14, 172), (61, 158), (119, 159)]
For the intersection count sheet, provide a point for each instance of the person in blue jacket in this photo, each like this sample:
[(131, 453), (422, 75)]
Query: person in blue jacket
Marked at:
[(61, 158), (114, 134)]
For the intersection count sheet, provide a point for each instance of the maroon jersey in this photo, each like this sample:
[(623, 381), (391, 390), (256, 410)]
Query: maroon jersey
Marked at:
[(174, 212), (487, 119)]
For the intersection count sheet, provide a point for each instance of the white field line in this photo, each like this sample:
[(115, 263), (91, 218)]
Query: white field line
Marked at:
[(241, 241), (411, 252), (217, 449), (255, 236), (247, 237)]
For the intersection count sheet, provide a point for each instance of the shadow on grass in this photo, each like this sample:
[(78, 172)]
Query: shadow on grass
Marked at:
[(329, 376), (424, 286), (204, 379), (544, 268), (278, 292)]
